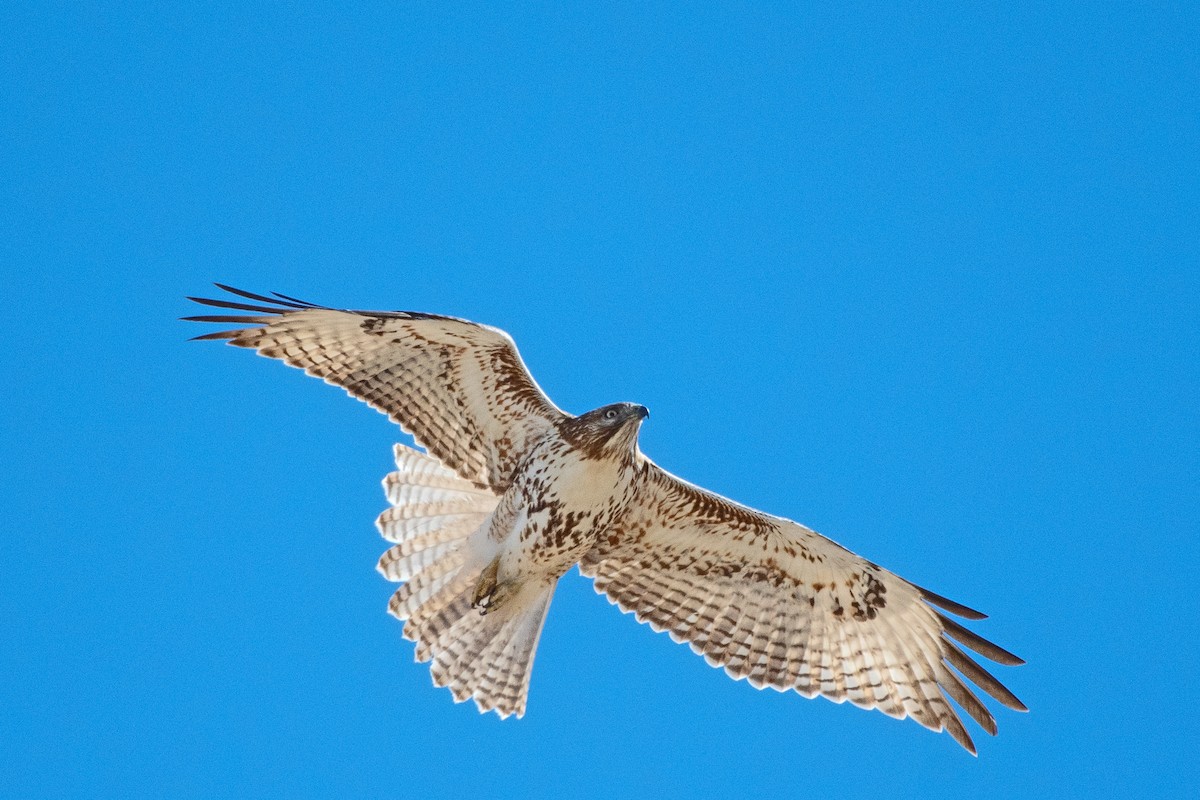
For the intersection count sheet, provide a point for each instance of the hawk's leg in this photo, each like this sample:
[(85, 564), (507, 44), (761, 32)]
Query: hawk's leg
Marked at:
[(491, 592)]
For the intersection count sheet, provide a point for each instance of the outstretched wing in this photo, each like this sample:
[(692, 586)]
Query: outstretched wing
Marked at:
[(459, 388), (777, 603)]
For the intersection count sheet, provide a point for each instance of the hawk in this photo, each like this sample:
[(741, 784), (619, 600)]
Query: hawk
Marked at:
[(512, 492)]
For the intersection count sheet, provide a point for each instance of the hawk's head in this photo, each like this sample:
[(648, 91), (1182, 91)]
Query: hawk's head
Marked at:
[(608, 431)]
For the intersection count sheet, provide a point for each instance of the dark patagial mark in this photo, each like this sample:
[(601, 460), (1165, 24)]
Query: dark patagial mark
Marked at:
[(374, 326)]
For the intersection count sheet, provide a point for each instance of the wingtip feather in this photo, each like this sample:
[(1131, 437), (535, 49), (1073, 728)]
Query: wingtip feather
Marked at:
[(981, 677), (954, 727), (215, 336), (276, 300), (979, 644), (958, 609)]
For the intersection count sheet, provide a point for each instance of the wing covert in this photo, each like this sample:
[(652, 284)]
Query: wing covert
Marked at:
[(458, 387), (776, 603)]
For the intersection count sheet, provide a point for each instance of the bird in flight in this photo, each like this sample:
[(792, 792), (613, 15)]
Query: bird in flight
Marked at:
[(511, 492)]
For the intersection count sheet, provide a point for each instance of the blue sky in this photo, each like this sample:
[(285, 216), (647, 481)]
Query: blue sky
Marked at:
[(925, 280)]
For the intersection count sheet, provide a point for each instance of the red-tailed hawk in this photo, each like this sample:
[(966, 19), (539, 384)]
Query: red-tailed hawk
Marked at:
[(513, 492)]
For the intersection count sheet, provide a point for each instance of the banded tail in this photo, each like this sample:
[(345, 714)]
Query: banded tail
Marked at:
[(433, 514)]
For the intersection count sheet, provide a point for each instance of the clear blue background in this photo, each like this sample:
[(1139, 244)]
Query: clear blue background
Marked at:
[(924, 280)]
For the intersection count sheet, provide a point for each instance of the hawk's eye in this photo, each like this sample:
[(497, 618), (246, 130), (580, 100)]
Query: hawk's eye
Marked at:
[(610, 415)]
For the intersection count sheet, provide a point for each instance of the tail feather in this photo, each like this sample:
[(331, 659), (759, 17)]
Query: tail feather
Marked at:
[(414, 468), (449, 527), (516, 662), (489, 658), (434, 620), (474, 657), (434, 512), (484, 657), (401, 490), (403, 561), (430, 502), (439, 504), (425, 585)]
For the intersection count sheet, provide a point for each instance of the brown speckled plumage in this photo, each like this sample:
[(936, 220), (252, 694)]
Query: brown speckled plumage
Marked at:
[(513, 492)]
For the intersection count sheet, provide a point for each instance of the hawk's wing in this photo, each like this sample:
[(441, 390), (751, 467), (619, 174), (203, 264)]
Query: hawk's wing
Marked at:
[(458, 387), (774, 602)]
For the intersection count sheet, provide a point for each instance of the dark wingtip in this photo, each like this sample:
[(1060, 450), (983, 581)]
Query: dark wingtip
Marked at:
[(221, 318), (953, 726), (960, 693), (271, 309), (218, 335), (294, 301), (277, 300), (981, 677), (958, 609), (263, 314), (979, 644)]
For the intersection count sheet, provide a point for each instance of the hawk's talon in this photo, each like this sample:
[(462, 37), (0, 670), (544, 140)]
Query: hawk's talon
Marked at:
[(490, 592)]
